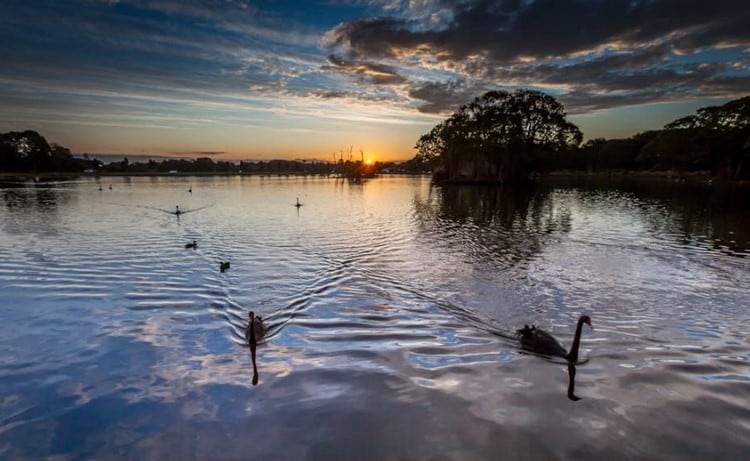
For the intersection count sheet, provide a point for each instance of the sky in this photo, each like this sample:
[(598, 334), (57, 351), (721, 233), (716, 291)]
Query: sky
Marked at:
[(241, 79)]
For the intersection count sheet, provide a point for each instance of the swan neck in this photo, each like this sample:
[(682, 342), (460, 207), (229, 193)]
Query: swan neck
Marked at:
[(252, 330)]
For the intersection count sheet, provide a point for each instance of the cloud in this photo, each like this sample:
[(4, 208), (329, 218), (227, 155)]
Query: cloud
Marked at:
[(588, 51), (380, 74), (206, 153), (198, 64), (444, 97)]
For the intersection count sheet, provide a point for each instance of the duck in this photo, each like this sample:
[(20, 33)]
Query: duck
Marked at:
[(537, 340), (192, 245), (223, 265)]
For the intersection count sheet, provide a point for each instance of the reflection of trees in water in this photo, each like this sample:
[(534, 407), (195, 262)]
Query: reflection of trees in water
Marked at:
[(717, 216), (492, 224), (720, 218), (31, 210), (23, 199)]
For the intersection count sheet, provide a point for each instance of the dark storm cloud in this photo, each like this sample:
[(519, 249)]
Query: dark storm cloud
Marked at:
[(590, 48)]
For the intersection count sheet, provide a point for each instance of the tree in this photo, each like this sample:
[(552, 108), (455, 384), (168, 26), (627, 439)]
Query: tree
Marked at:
[(712, 138), (733, 115), (499, 136), (29, 151)]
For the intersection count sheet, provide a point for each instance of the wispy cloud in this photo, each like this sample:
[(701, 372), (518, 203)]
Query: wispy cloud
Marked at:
[(244, 67)]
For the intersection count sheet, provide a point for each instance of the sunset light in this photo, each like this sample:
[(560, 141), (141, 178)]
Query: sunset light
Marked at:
[(265, 80), (375, 230)]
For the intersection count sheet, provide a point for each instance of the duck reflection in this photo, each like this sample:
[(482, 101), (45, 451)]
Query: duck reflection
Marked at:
[(254, 333)]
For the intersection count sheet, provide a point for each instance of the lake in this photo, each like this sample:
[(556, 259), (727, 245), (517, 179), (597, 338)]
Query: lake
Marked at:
[(392, 308)]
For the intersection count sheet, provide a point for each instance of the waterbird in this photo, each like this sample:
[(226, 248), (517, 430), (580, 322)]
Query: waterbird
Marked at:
[(537, 340), (192, 245), (177, 210), (223, 265), (110, 187), (298, 204), (190, 190), (254, 332)]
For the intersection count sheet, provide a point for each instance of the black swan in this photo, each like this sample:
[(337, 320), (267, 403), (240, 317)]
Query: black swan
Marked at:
[(192, 245), (539, 341), (254, 332), (224, 266), (177, 210), (298, 204)]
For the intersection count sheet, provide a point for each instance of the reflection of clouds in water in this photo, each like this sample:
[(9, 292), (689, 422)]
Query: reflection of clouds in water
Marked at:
[(387, 354)]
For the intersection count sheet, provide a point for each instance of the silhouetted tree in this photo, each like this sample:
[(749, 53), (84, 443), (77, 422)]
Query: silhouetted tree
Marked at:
[(499, 136), (29, 151), (713, 138)]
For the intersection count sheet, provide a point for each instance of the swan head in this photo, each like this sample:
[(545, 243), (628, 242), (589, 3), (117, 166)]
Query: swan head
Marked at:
[(585, 319)]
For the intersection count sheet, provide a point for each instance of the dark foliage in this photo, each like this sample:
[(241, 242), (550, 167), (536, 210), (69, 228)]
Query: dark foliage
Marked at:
[(715, 139), (22, 151), (500, 136)]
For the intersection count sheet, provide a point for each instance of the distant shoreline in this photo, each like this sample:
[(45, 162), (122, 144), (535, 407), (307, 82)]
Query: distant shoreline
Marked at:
[(670, 175), (26, 176)]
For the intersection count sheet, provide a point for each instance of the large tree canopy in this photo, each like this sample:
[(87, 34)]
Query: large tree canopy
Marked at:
[(733, 115), (499, 135)]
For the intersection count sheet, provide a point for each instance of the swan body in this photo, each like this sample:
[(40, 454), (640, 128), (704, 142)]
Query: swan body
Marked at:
[(224, 266), (537, 340), (255, 330), (192, 245)]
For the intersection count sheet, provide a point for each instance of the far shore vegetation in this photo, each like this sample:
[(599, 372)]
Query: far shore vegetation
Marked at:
[(500, 137), (504, 137)]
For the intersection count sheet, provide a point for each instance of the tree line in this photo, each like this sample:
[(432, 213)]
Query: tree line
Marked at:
[(509, 137), (498, 137), (28, 151)]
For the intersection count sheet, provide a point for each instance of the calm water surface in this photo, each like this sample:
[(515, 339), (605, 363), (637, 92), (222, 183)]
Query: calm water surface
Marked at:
[(392, 307)]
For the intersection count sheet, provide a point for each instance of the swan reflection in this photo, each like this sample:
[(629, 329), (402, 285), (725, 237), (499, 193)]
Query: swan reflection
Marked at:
[(572, 382)]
